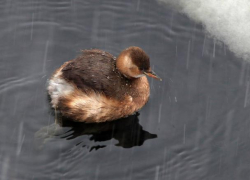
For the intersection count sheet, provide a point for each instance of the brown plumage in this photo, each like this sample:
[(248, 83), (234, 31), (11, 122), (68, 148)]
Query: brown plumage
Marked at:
[(95, 87), (96, 70)]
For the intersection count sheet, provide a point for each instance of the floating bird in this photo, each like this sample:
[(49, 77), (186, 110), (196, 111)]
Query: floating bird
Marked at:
[(96, 87)]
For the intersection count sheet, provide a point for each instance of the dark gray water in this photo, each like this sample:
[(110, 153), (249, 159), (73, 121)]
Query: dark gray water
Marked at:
[(195, 125)]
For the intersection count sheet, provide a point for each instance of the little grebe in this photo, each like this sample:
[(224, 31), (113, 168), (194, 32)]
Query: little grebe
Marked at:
[(95, 87)]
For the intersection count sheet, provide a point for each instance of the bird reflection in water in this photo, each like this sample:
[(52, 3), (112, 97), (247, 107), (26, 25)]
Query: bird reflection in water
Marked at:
[(127, 131)]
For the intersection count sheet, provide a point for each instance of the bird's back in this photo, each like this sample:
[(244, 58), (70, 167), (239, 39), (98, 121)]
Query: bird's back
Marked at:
[(96, 70)]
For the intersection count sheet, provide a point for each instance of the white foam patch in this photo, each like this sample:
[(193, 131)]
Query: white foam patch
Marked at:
[(227, 20)]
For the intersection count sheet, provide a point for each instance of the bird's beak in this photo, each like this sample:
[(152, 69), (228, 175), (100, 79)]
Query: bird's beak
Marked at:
[(152, 74)]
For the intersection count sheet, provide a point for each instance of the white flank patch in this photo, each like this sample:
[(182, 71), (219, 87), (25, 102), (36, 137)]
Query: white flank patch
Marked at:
[(58, 87)]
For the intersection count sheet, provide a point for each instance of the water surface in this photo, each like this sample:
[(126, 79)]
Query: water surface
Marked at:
[(195, 125)]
